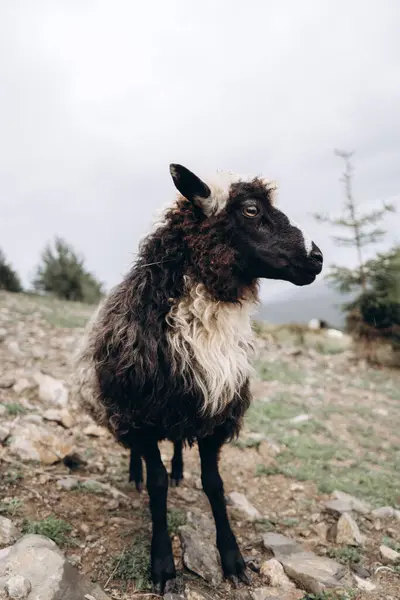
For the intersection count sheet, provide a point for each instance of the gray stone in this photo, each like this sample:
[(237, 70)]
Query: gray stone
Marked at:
[(309, 571), (338, 507), (357, 505), (241, 503), (18, 588), (364, 584), (35, 557), (280, 545), (94, 430), (301, 419), (201, 521), (7, 383), (200, 555), (3, 334), (32, 441), (4, 433), (62, 417), (384, 512), (8, 532), (51, 391), (274, 574), (23, 385), (68, 483), (347, 531), (389, 556)]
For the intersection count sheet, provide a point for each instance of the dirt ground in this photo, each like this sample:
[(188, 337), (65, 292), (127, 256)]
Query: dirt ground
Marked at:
[(321, 421)]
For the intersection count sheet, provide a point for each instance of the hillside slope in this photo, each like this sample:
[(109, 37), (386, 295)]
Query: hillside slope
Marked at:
[(321, 422)]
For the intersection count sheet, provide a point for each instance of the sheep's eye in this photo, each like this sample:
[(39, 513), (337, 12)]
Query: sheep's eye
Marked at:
[(250, 211)]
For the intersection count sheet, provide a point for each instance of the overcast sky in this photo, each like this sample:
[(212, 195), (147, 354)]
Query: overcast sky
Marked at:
[(98, 97)]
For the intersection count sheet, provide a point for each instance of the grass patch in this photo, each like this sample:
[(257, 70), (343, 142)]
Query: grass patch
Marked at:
[(390, 543), (13, 476), (264, 525), (347, 555), (176, 518), (133, 564), (10, 507), (13, 409), (247, 443), (90, 487), (67, 321), (55, 529), (279, 371)]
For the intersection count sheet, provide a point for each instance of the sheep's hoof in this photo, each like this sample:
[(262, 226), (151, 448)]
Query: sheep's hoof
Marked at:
[(139, 486), (161, 588), (175, 482), (243, 577)]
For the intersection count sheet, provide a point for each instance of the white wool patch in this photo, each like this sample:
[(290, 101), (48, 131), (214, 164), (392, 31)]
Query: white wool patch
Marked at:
[(306, 239), (211, 342)]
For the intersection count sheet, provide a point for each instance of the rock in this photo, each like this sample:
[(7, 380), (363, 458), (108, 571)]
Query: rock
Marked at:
[(13, 348), (338, 507), (34, 558), (241, 503), (363, 584), (4, 433), (195, 595), (31, 441), (22, 385), (99, 487), (62, 417), (51, 391), (188, 495), (201, 521), (276, 594), (3, 410), (389, 556), (95, 431), (6, 383), (356, 505), (200, 555), (18, 587), (274, 574), (280, 545), (321, 529), (8, 532), (384, 512), (311, 572), (297, 487), (301, 419), (68, 483), (173, 597), (347, 531), (3, 334)]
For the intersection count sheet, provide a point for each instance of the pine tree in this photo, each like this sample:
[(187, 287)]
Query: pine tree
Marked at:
[(362, 231), (62, 272), (9, 279)]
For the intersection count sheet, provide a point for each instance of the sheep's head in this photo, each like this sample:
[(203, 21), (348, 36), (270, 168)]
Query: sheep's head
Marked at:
[(266, 242)]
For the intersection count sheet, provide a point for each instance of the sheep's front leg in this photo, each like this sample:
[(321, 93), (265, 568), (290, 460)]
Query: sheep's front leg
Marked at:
[(162, 560), (177, 465), (232, 561), (136, 468)]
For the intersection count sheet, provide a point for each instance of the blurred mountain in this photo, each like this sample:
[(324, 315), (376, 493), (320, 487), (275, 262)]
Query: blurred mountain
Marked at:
[(300, 304)]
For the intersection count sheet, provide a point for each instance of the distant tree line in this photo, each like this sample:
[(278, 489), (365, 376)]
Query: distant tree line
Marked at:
[(61, 272), (374, 311)]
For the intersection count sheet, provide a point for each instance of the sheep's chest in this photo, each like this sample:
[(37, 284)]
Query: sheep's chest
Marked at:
[(210, 344)]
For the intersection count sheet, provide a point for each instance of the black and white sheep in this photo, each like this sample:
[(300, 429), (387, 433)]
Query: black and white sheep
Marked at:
[(167, 353)]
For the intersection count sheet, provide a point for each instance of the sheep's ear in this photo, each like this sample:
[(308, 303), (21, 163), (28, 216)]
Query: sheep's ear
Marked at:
[(188, 184)]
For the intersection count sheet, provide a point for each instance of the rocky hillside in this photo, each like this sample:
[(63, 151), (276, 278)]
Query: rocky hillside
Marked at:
[(313, 483)]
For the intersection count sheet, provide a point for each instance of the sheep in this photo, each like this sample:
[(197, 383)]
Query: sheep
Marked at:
[(167, 355)]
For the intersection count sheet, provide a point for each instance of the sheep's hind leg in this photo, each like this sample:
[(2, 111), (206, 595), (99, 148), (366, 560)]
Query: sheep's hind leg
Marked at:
[(136, 469), (232, 561), (162, 560), (177, 465)]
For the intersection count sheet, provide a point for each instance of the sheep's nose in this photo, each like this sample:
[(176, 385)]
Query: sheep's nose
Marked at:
[(316, 254)]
